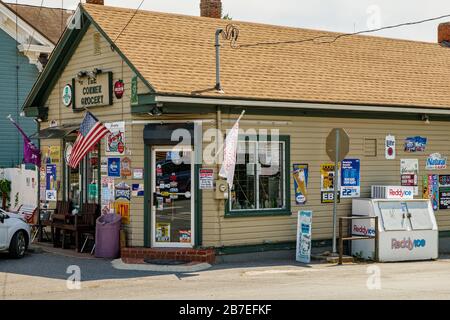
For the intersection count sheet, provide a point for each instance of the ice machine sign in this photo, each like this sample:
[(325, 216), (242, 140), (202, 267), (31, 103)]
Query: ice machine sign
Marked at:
[(408, 244), (400, 193)]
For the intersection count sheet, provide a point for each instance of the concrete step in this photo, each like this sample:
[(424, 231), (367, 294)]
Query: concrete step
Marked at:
[(330, 258)]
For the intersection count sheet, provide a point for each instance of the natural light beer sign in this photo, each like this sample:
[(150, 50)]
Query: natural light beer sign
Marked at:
[(92, 91)]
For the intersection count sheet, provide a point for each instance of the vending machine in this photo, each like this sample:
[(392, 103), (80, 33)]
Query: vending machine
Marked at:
[(407, 229)]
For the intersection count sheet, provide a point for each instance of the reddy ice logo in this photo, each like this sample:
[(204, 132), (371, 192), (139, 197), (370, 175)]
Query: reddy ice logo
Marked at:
[(362, 230), (400, 193), (407, 244)]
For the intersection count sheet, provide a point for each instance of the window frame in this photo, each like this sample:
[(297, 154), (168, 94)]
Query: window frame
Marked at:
[(286, 211), (83, 176)]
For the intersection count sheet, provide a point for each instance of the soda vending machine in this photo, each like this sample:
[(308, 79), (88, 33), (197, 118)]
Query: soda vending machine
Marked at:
[(407, 227)]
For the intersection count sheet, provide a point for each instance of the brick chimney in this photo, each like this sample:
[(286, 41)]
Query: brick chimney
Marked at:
[(444, 33), (99, 2), (211, 8)]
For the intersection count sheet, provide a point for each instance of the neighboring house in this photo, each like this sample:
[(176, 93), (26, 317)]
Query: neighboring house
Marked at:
[(24, 51), (372, 87)]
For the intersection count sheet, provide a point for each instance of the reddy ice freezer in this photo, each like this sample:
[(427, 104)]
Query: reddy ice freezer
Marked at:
[(407, 229)]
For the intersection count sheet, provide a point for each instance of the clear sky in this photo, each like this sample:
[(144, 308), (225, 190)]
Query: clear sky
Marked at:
[(332, 15)]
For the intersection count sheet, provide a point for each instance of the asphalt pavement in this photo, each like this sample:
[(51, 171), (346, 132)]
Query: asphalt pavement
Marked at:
[(46, 275)]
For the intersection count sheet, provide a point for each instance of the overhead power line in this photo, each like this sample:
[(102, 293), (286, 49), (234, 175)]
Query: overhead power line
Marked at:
[(129, 21), (331, 39)]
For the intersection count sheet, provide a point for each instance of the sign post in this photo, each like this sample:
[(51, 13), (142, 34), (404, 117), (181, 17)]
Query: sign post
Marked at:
[(338, 144)]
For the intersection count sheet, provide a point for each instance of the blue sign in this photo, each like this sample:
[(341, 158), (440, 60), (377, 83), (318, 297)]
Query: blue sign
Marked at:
[(50, 177), (303, 253), (114, 167), (350, 178), (415, 144)]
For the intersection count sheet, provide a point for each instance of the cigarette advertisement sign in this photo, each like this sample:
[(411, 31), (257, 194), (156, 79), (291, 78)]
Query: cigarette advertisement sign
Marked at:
[(122, 197), (327, 183), (431, 189), (444, 198), (350, 178), (115, 140), (304, 226), (327, 177), (300, 175)]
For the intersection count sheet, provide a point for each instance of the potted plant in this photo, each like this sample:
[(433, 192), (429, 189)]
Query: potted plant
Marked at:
[(5, 189)]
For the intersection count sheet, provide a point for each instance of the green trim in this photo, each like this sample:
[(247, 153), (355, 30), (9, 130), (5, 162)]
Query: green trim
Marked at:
[(444, 234), (55, 66), (64, 169), (198, 241), (276, 246), (74, 98), (188, 108), (147, 195), (256, 248), (287, 188), (146, 99), (141, 109), (110, 89), (99, 175)]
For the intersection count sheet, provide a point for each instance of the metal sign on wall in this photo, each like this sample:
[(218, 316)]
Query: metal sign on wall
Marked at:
[(92, 91)]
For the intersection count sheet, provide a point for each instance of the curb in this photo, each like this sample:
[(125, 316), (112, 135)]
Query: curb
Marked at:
[(196, 267)]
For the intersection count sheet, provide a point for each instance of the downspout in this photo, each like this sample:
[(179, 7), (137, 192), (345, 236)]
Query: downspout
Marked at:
[(218, 86), (220, 208)]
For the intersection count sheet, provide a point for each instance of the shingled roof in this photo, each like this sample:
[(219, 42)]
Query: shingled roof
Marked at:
[(50, 22), (175, 53)]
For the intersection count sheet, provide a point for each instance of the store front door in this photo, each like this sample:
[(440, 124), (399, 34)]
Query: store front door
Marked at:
[(172, 217)]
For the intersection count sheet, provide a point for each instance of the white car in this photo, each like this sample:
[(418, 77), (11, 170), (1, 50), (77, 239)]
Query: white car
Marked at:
[(14, 234)]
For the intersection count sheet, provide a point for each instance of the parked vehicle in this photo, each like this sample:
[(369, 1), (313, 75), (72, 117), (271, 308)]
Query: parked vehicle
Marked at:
[(14, 234)]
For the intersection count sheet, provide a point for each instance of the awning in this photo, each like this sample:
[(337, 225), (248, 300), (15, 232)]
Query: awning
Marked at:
[(59, 132), (161, 134)]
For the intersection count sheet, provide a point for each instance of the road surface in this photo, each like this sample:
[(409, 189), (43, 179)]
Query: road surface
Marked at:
[(44, 276)]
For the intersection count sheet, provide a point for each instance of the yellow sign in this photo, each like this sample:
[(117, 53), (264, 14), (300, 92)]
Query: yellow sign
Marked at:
[(52, 154), (122, 207), (327, 177)]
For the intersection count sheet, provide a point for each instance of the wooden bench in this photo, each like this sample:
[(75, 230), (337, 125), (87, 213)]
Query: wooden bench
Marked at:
[(82, 222)]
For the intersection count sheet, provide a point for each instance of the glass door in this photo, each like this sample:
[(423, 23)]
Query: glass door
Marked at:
[(172, 200)]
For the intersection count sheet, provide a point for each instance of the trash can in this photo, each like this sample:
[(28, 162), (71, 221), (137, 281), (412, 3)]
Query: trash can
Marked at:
[(107, 236)]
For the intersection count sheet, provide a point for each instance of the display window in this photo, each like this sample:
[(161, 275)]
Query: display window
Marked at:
[(82, 183), (260, 178)]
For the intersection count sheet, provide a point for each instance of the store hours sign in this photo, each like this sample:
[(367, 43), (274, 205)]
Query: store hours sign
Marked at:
[(91, 92)]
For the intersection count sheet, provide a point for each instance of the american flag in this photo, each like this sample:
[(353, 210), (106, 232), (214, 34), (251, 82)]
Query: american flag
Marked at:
[(91, 131)]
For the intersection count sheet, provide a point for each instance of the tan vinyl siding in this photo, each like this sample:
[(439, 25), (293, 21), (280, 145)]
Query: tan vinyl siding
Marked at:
[(107, 60), (308, 135)]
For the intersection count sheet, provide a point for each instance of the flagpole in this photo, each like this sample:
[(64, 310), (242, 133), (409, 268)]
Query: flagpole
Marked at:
[(221, 149), (240, 117)]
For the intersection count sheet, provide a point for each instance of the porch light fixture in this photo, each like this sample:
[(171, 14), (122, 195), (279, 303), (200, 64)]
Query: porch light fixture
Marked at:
[(81, 74), (156, 111)]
